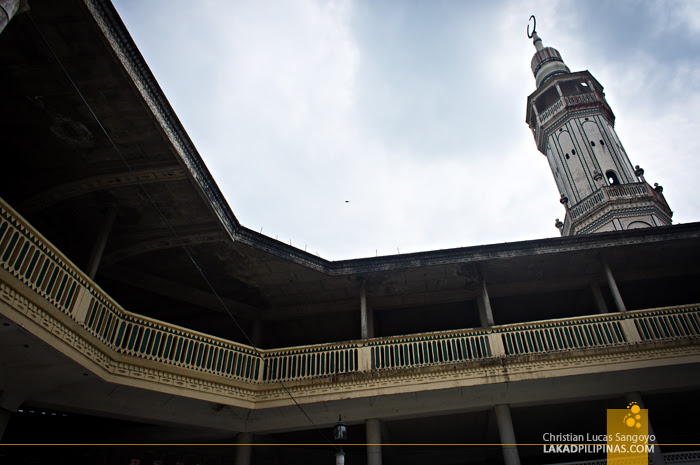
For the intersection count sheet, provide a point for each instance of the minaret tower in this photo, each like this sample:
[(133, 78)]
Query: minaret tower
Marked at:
[(573, 126)]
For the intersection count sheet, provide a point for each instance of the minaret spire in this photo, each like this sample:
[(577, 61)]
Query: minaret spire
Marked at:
[(536, 41), (573, 126), (547, 61)]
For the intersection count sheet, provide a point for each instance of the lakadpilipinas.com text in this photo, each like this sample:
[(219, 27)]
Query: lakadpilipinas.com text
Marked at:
[(568, 443)]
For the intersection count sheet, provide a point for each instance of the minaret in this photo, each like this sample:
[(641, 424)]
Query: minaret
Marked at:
[(573, 126)]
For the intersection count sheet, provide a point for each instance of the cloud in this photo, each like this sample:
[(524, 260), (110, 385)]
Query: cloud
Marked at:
[(411, 111)]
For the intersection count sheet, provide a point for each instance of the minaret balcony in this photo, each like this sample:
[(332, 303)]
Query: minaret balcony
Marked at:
[(562, 96), (571, 102), (582, 216)]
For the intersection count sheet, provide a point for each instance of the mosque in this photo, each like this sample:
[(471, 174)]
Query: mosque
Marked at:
[(135, 308)]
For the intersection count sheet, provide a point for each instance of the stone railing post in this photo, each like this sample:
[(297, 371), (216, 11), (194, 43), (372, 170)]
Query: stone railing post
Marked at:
[(82, 305), (364, 358), (496, 343), (629, 330)]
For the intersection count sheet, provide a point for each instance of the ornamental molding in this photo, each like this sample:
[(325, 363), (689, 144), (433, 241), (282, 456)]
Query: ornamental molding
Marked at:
[(611, 209), (103, 181)]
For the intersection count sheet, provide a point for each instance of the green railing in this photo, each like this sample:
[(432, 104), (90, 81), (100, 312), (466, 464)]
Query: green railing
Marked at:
[(31, 259), (667, 324), (311, 361), (429, 349), (562, 335)]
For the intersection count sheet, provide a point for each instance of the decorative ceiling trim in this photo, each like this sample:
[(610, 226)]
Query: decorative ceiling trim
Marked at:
[(101, 182), (164, 238)]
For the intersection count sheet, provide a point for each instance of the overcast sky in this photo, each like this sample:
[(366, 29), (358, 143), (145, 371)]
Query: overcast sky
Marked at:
[(363, 128)]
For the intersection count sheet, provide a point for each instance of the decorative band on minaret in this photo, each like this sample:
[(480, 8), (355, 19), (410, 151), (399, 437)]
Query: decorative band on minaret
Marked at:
[(573, 126)]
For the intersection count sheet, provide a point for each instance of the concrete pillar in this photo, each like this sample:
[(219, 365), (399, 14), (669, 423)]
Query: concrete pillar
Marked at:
[(98, 247), (598, 297), (613, 288), (657, 457), (370, 322), (484, 304), (4, 420), (507, 435), (374, 442), (364, 327), (244, 448)]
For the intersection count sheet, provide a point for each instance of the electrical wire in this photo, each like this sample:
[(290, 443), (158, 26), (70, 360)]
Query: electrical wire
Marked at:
[(170, 228)]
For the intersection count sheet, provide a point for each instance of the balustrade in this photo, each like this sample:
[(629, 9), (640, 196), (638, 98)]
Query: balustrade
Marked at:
[(562, 335), (550, 111), (430, 349), (568, 101), (579, 99), (597, 198), (31, 259)]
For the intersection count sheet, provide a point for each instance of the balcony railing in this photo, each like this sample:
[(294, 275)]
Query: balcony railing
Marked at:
[(599, 198), (580, 99), (568, 101), (551, 110), (30, 259)]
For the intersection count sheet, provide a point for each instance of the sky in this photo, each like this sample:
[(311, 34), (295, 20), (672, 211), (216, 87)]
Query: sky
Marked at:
[(354, 129)]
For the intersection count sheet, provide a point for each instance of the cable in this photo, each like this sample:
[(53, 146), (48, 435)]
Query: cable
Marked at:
[(169, 226)]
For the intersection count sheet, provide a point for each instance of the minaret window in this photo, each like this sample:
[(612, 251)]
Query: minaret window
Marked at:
[(592, 144), (573, 87), (573, 152), (602, 144), (611, 176), (567, 156)]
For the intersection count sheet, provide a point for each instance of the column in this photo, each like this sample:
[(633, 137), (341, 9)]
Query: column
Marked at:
[(244, 448), (657, 457), (98, 247), (374, 442), (613, 288), (484, 304), (598, 297), (370, 322), (364, 326), (507, 435), (4, 420)]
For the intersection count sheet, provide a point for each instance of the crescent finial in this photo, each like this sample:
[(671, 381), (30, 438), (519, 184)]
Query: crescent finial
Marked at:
[(534, 25)]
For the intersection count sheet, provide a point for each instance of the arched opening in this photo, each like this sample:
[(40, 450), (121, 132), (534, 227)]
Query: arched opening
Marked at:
[(638, 225), (611, 176)]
